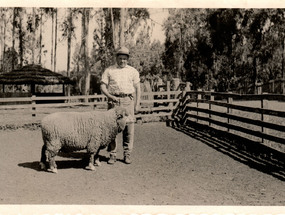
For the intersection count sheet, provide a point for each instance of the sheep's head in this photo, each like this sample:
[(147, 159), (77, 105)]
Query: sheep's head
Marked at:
[(123, 118)]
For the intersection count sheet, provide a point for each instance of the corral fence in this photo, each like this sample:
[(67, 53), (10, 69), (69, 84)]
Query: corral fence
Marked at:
[(258, 118), (255, 117), (273, 86), (153, 104)]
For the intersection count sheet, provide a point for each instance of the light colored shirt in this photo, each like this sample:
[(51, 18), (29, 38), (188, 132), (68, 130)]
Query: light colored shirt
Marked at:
[(120, 80)]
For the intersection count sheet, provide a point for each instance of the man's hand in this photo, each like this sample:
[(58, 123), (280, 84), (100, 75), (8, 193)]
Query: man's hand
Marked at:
[(114, 98)]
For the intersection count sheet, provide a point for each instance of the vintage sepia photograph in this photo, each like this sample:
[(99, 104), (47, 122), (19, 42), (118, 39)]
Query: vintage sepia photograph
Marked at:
[(141, 105)]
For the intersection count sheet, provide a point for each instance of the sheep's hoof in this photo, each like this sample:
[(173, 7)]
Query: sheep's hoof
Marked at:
[(53, 170), (90, 167), (42, 166), (97, 163)]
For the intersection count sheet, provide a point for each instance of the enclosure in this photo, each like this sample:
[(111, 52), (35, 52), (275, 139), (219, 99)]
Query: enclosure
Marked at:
[(180, 164)]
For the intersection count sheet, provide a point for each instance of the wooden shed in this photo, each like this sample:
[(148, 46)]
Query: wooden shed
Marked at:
[(36, 80)]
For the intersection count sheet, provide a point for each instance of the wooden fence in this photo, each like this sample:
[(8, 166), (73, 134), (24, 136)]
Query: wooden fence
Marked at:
[(273, 86), (153, 104), (256, 117)]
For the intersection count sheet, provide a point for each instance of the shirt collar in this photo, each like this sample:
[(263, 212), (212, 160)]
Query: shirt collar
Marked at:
[(117, 66)]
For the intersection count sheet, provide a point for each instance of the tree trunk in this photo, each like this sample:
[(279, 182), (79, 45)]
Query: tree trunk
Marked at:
[(283, 58), (84, 44), (13, 36), (3, 32), (1, 38), (21, 39), (41, 24), (55, 41), (69, 47), (122, 27), (4, 45), (52, 37), (255, 73), (113, 29), (34, 35), (86, 62)]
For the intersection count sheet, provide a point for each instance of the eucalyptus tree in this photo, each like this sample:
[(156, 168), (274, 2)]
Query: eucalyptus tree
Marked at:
[(55, 38), (19, 13), (81, 59), (259, 46), (5, 16), (137, 21), (276, 31), (52, 12), (223, 33), (13, 35), (185, 29), (68, 33), (133, 18), (106, 37)]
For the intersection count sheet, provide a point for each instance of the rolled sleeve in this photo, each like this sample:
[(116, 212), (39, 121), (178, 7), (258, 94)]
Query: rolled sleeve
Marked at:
[(105, 78), (136, 77)]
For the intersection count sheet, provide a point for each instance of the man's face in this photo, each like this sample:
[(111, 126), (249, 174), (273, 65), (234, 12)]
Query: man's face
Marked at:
[(122, 60)]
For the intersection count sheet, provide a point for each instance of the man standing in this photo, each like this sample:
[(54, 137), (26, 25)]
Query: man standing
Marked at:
[(121, 84)]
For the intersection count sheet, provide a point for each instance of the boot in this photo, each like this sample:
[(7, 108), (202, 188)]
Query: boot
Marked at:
[(112, 159), (127, 159)]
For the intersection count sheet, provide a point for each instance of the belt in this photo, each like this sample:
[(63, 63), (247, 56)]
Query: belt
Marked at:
[(122, 95)]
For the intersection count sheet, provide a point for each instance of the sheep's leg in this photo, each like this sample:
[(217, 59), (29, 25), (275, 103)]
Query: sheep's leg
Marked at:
[(51, 159), (97, 160), (91, 162), (44, 159)]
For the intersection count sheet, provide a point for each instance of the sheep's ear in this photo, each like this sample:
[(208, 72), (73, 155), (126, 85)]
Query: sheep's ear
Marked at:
[(120, 116)]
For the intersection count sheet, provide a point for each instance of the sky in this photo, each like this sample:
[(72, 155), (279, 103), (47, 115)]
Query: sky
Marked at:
[(158, 16)]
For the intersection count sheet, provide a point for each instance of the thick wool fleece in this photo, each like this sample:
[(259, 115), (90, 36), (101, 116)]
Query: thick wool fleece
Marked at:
[(76, 131)]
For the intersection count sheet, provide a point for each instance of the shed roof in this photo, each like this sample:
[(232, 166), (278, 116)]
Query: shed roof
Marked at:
[(33, 74)]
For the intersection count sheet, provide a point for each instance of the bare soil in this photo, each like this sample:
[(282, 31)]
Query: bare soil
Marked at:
[(169, 167)]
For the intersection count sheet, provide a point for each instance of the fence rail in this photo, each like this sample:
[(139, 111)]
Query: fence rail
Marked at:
[(153, 104), (254, 116)]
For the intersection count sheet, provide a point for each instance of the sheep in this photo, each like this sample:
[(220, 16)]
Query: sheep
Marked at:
[(73, 131)]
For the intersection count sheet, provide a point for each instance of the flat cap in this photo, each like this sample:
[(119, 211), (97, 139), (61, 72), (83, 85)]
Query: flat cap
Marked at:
[(123, 50)]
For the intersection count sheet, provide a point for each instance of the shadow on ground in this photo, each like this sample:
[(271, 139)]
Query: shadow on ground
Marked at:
[(253, 154), (78, 161)]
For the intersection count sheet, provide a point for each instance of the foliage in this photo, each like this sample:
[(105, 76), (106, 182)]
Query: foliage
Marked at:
[(221, 49), (225, 49)]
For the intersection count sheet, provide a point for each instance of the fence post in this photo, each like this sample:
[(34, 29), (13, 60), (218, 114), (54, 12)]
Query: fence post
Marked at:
[(168, 89), (259, 88), (264, 105), (199, 97), (94, 102), (229, 110), (212, 98), (271, 86), (187, 88), (33, 105)]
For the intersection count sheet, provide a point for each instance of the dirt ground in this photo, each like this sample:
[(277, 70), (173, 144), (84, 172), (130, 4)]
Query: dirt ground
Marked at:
[(169, 168)]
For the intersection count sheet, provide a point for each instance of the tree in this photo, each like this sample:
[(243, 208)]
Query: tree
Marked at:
[(13, 34), (185, 30), (68, 33), (21, 36), (55, 40), (5, 16), (84, 48)]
